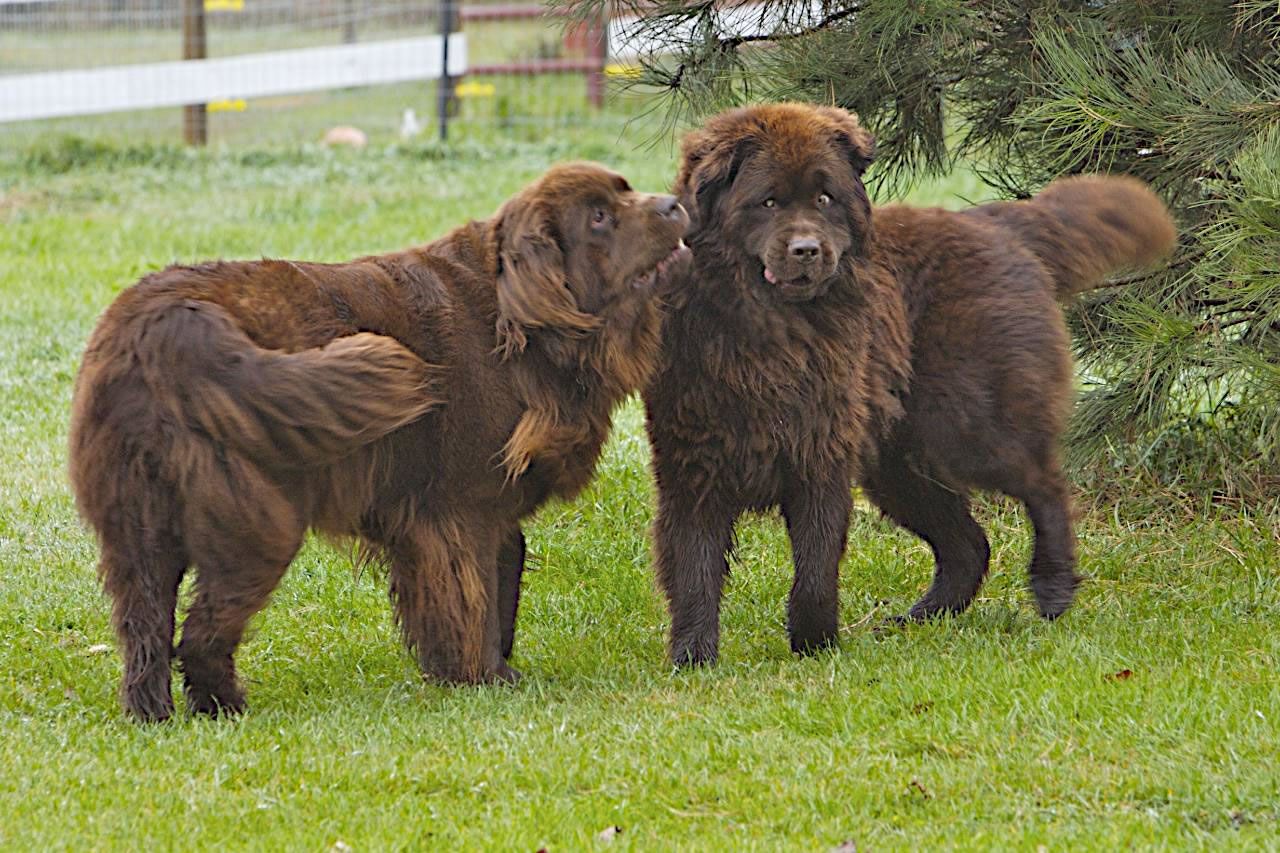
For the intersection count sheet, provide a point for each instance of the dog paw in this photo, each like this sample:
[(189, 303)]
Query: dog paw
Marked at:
[(810, 644), (691, 655), (205, 704), (222, 698), (1054, 594), (504, 674), (812, 630), (149, 709)]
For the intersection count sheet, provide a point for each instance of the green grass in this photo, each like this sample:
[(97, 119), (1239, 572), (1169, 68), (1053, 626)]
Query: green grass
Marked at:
[(993, 729)]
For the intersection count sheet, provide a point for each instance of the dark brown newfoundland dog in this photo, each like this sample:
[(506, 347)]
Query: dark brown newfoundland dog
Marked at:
[(817, 341), (424, 401)]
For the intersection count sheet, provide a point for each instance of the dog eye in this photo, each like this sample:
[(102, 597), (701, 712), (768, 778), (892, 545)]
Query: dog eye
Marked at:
[(824, 200), (768, 202), (599, 216)]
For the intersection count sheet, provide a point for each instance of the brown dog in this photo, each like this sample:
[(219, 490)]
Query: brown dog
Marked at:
[(818, 340), (424, 401)]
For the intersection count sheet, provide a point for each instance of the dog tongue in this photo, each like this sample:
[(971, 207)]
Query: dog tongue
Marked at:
[(769, 276)]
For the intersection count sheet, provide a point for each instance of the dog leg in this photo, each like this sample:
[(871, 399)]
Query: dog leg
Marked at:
[(497, 625), (510, 570), (1053, 557), (940, 516), (691, 552), (228, 593), (444, 585), (242, 534), (143, 585), (817, 516)]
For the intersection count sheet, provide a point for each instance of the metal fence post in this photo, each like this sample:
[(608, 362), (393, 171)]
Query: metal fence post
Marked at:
[(444, 88)]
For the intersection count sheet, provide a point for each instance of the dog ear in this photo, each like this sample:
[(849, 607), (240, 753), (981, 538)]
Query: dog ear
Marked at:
[(533, 291), (710, 160), (859, 145)]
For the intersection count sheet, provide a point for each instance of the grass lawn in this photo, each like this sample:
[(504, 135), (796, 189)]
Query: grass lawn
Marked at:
[(1148, 716)]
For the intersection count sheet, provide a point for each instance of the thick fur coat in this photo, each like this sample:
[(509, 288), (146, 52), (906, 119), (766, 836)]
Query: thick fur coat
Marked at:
[(820, 341), (423, 402)]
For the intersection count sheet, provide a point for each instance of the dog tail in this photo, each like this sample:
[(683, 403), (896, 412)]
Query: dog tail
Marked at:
[(1087, 227), (289, 409)]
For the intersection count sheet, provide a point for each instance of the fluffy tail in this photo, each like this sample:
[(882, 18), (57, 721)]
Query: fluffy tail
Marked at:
[(284, 409), (1088, 227)]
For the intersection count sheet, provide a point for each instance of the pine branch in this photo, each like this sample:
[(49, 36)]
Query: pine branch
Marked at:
[(1185, 95), (1186, 260), (733, 42)]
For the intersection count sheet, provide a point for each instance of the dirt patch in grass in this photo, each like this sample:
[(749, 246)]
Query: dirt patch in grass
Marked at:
[(12, 203)]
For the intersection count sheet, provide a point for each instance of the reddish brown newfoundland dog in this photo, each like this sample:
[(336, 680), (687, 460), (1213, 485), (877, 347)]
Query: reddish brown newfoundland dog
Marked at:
[(817, 341), (424, 401)]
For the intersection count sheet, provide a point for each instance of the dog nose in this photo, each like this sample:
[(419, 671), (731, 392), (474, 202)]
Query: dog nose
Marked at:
[(804, 248), (666, 205)]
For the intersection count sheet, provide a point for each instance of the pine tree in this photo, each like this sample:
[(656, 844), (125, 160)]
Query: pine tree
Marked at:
[(1181, 368)]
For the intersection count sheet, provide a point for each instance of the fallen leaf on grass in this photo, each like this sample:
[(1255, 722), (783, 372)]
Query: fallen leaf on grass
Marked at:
[(1122, 675), (919, 786), (98, 649), (607, 834), (845, 847)]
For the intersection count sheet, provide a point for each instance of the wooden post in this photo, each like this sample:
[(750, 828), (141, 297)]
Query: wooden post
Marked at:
[(349, 22), (195, 122), (598, 52)]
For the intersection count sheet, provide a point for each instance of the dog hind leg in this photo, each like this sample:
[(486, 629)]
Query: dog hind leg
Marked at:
[(940, 516), (1032, 474), (1053, 557), (243, 534), (143, 584), (229, 591)]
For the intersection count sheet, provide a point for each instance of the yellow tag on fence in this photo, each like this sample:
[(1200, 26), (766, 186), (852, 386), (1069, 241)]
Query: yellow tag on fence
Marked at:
[(235, 105), (475, 90), (224, 5), (628, 72)]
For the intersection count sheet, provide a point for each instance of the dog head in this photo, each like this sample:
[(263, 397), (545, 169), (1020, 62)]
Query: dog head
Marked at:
[(779, 187), (577, 247)]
